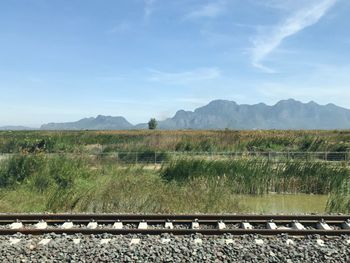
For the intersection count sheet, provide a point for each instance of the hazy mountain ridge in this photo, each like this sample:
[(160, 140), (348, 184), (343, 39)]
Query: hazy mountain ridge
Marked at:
[(286, 114), (16, 128), (99, 123), (221, 114)]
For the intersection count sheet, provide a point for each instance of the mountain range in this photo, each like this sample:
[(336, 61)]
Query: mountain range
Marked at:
[(222, 114)]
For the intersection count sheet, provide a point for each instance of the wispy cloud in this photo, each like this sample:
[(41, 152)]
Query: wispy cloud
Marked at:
[(149, 8), (323, 84), (266, 42), (185, 77), (209, 10), (120, 28)]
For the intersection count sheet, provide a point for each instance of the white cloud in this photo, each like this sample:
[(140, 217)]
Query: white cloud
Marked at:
[(210, 10), (324, 84), (266, 42), (121, 27), (149, 8), (194, 101), (185, 77)]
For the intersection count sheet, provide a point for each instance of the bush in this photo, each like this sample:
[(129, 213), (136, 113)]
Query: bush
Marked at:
[(18, 168)]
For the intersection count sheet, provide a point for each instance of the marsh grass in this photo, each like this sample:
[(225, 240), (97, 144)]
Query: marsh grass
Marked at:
[(261, 177), (60, 183), (168, 141), (63, 184)]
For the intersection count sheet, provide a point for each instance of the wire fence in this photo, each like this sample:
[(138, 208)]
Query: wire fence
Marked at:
[(154, 157)]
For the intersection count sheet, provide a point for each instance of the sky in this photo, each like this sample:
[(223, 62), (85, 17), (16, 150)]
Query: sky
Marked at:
[(62, 60)]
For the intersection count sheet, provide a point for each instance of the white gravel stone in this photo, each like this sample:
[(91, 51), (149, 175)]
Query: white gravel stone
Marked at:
[(14, 241), (198, 241), (229, 241), (44, 241), (135, 241), (259, 241), (165, 240), (105, 241), (290, 242), (76, 241), (320, 242)]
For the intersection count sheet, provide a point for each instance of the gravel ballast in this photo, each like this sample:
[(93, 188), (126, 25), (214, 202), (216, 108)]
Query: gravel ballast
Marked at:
[(168, 248)]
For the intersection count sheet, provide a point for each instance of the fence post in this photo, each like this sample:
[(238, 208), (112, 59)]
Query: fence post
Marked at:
[(135, 157), (155, 158)]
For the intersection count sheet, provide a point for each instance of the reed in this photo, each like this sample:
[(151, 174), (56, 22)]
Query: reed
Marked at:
[(163, 141), (64, 183), (260, 177)]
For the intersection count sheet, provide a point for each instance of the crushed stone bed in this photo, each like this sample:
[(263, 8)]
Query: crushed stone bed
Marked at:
[(169, 248)]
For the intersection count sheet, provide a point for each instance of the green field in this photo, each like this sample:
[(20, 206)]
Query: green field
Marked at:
[(76, 171), (174, 141)]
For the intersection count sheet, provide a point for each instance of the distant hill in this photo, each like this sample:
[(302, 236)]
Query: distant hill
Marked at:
[(286, 114), (15, 128), (221, 114), (98, 123)]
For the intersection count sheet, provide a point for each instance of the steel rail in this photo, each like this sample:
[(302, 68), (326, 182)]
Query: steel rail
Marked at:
[(264, 232), (148, 217), (176, 221), (152, 219)]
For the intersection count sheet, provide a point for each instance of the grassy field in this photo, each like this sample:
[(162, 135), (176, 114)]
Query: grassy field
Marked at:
[(44, 182), (173, 141), (80, 176)]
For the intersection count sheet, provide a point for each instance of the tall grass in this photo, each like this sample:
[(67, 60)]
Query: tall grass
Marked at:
[(339, 200), (163, 141), (260, 177), (41, 182), (66, 184)]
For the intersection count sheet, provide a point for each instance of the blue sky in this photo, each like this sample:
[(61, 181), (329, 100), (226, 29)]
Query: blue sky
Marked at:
[(61, 60)]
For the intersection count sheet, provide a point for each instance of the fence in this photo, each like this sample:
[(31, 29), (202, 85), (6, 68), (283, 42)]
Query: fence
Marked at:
[(149, 157), (164, 157)]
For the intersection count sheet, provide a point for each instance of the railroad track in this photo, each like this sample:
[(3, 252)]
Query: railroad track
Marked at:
[(38, 224)]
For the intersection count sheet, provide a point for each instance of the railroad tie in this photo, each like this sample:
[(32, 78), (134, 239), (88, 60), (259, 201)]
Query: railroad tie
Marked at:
[(41, 225), (346, 224), (246, 225), (195, 224), (16, 225), (118, 225), (143, 225), (323, 225)]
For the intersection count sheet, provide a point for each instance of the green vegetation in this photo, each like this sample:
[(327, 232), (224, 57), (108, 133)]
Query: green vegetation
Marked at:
[(169, 141), (261, 177), (72, 184), (94, 170), (41, 182), (152, 124)]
